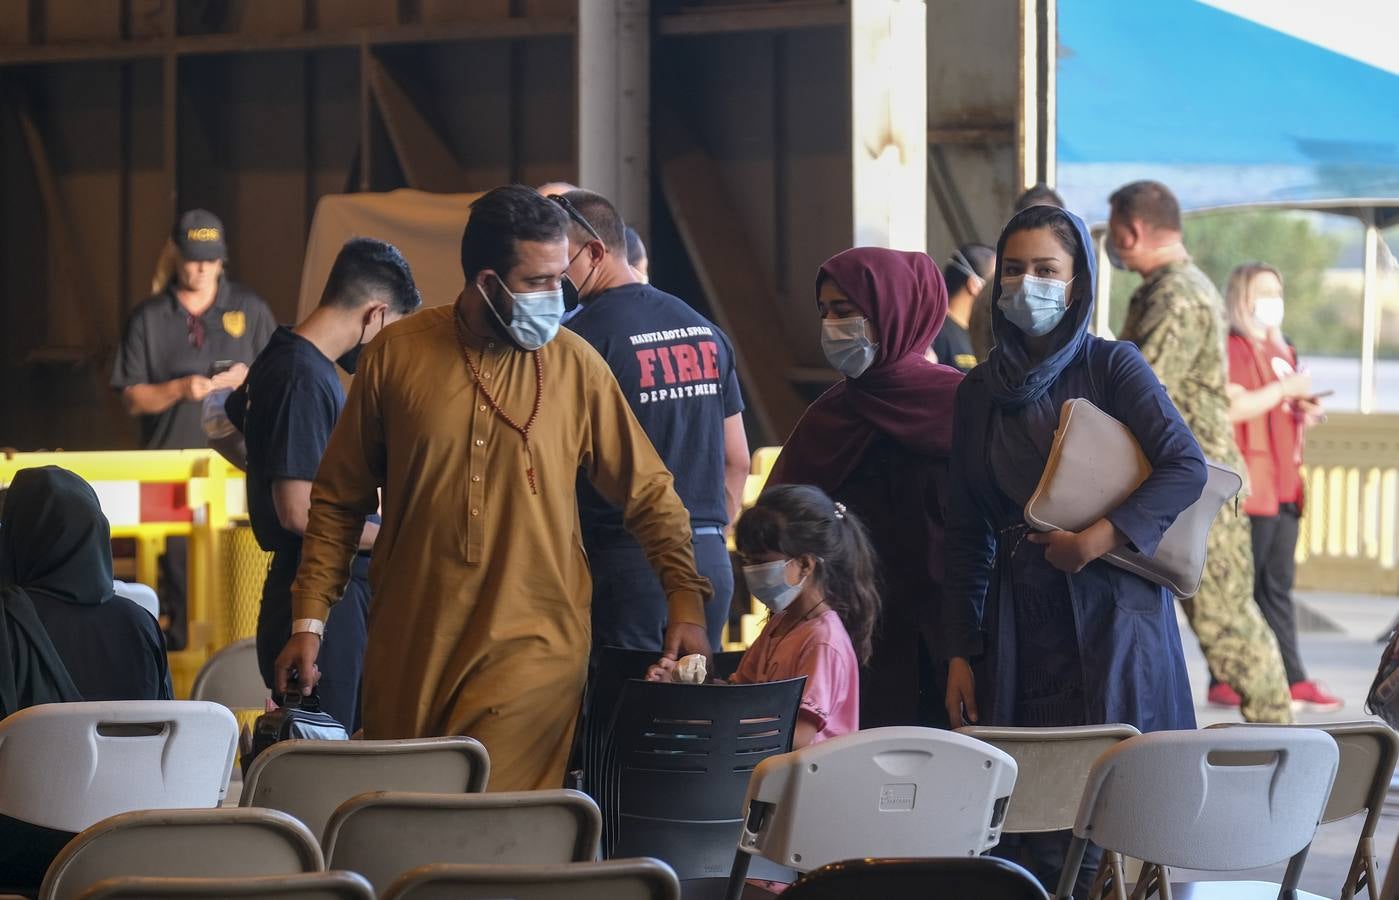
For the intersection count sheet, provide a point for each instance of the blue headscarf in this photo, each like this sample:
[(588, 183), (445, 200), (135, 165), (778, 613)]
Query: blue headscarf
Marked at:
[(1015, 379)]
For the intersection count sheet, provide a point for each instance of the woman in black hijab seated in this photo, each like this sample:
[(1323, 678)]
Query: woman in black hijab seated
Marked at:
[(64, 635)]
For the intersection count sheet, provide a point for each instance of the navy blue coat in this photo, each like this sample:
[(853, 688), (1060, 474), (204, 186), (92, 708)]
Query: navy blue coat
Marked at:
[(1128, 641)]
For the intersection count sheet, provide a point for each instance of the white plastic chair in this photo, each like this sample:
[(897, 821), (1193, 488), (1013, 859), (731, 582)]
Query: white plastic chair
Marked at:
[(206, 843), (68, 765), (1052, 769), (382, 835), (614, 879), (143, 595), (1220, 799), (310, 779), (886, 792), (231, 677), (1369, 751)]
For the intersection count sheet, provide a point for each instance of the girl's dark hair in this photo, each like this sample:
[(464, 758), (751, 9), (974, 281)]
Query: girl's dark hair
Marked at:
[(1062, 227), (800, 520)]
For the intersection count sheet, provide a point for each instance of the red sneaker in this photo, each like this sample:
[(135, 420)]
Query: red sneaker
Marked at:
[(1222, 694), (1312, 697)]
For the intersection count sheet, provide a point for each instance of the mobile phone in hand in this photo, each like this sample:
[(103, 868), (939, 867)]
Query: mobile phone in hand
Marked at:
[(219, 367)]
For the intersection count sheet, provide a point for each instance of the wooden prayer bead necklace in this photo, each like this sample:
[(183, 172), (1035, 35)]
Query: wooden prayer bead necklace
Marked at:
[(505, 416)]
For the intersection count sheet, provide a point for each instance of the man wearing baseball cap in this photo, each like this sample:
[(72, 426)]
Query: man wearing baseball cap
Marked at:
[(197, 333)]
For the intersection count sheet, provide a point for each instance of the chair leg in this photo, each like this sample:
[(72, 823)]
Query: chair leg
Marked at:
[(1073, 861), (1109, 875), (1362, 871), (1293, 874), (1154, 879), (738, 875)]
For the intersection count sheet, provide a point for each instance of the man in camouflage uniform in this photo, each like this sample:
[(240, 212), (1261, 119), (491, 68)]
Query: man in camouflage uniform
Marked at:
[(1176, 318)]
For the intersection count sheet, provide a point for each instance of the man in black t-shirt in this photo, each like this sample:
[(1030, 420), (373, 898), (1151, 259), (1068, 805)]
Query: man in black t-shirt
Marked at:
[(677, 371), (286, 410), (965, 273)]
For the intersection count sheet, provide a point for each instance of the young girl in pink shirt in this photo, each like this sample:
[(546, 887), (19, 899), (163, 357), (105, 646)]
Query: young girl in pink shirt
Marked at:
[(809, 561)]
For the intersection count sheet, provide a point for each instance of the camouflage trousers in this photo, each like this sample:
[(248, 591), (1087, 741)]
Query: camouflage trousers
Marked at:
[(1238, 644)]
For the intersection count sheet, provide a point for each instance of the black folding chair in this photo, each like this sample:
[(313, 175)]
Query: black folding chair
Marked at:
[(676, 766), (972, 878)]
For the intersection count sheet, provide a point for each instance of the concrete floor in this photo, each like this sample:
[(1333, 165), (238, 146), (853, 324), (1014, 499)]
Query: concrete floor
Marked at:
[(1345, 660)]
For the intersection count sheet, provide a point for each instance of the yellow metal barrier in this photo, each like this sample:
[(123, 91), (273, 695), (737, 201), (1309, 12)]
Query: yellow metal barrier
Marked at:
[(1349, 537), (214, 489)]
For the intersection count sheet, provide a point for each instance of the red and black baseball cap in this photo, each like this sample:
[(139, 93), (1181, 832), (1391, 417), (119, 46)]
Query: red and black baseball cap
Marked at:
[(198, 235)]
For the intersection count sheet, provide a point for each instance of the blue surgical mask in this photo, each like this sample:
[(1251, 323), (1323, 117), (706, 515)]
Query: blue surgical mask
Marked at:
[(847, 345), (1034, 305), (768, 582), (534, 318), (1114, 257)]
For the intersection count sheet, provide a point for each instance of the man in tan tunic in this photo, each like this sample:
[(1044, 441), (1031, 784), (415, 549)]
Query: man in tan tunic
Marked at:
[(475, 419)]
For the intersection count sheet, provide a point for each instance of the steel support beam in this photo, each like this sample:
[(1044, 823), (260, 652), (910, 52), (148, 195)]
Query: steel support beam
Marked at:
[(614, 96)]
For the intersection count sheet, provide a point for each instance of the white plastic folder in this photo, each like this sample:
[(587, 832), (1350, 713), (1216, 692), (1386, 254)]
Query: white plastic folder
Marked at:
[(1094, 465)]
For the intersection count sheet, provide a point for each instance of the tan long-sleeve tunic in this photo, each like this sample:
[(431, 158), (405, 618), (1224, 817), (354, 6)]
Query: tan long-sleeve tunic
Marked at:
[(480, 619)]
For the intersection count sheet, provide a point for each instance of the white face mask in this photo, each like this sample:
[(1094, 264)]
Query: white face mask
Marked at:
[(768, 582), (847, 345), (1267, 311)]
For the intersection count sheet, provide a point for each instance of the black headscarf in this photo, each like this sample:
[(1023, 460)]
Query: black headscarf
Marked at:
[(52, 547), (56, 560)]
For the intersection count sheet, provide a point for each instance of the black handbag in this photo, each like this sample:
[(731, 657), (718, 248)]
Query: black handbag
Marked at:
[(297, 717)]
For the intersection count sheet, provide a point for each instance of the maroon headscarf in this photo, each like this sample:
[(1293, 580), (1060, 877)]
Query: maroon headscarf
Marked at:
[(901, 395)]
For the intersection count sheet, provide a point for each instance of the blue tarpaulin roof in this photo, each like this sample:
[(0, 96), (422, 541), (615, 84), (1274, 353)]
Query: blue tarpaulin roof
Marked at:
[(1222, 108)]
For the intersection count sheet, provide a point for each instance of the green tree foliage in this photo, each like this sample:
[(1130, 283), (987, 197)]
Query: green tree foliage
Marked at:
[(1320, 322)]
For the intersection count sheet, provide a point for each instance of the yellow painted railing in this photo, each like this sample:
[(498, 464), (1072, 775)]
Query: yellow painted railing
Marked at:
[(1350, 527)]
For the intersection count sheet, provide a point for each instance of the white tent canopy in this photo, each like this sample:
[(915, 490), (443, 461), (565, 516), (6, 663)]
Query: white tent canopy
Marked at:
[(425, 227)]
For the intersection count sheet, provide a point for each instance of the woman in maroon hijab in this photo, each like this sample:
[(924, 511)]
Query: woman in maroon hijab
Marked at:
[(879, 442)]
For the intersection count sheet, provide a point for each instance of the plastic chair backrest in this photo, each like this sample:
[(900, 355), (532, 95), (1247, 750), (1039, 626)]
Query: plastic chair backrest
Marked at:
[(231, 677), (203, 843), (1220, 799), (310, 779), (610, 670), (68, 765), (1369, 750), (1053, 766), (382, 835), (677, 766), (616, 879), (983, 877), (311, 886), (899, 791)]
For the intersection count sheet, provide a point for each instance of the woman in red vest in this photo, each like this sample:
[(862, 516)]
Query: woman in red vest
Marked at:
[(1271, 404)]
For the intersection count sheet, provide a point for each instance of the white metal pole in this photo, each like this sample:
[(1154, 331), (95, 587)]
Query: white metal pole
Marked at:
[(1370, 318)]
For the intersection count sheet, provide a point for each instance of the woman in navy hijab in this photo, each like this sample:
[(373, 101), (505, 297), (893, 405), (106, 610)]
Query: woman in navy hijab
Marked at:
[(1040, 631)]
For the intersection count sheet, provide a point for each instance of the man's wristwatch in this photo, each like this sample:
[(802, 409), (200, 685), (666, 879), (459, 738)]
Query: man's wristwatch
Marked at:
[(308, 626)]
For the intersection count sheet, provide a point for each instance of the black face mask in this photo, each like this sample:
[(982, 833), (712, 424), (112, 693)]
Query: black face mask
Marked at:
[(349, 360), (571, 292)]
